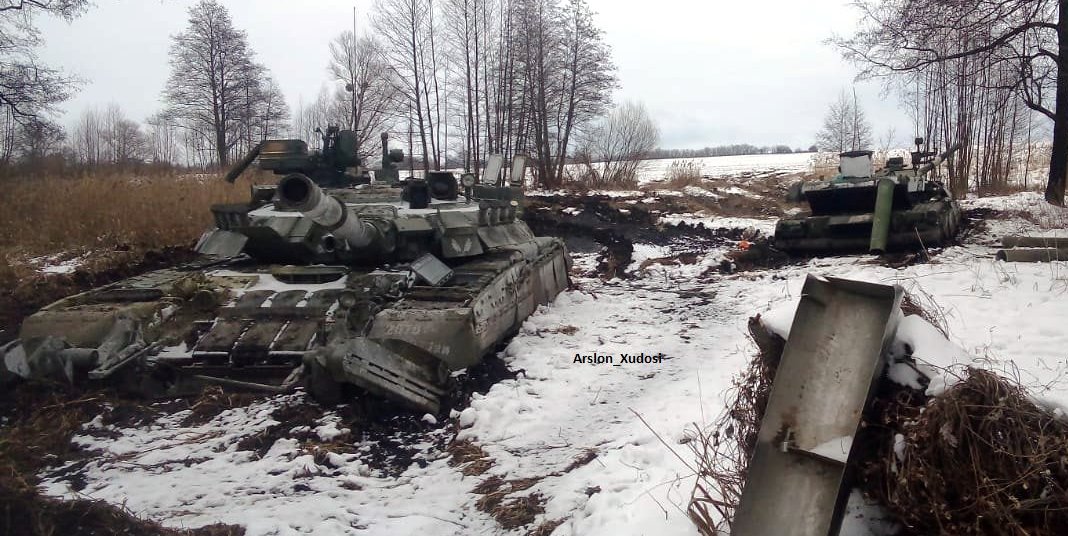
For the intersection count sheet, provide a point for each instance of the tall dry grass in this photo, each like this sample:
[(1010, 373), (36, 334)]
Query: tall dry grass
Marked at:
[(49, 215), (683, 173)]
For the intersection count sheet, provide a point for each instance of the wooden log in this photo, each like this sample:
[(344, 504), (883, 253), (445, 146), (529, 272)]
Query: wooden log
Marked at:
[(1033, 254)]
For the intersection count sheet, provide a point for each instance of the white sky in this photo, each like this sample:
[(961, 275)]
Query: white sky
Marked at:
[(711, 71)]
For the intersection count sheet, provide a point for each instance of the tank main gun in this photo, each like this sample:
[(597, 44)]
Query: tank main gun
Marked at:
[(926, 168), (242, 165), (300, 193)]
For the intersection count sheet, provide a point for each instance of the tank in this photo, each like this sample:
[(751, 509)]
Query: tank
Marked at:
[(325, 279), (897, 207)]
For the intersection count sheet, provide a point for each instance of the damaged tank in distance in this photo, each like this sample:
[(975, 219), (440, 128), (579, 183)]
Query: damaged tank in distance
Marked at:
[(896, 207), (389, 286)]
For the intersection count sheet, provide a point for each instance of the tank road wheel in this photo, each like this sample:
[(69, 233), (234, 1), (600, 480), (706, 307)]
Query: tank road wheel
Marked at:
[(320, 384)]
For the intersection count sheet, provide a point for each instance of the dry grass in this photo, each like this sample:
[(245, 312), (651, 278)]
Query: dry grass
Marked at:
[(214, 400), (980, 459), (115, 225), (49, 215), (683, 173), (546, 528), (519, 512), (497, 493), (471, 457), (824, 166)]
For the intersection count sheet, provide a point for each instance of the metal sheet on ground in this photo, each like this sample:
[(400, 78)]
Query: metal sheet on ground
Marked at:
[(829, 366)]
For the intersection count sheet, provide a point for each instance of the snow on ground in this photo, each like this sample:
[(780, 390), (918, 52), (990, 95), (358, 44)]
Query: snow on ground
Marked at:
[(572, 193), (1042, 219), (644, 252), (765, 226), (1002, 316), (61, 263), (576, 394), (754, 165), (751, 166)]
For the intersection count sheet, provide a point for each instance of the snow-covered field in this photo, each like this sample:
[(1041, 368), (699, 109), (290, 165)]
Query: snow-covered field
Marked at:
[(689, 328), (741, 166)]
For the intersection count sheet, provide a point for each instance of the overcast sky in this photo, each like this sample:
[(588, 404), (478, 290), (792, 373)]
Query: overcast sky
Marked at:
[(711, 71)]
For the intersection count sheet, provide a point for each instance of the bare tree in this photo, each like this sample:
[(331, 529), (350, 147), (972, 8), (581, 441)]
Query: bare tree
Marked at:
[(569, 78), (28, 88), (403, 25), (360, 64), (510, 75), (888, 139), (266, 114), (845, 127), (215, 87), (107, 136), (38, 140), (88, 139), (620, 142), (462, 26), (964, 42), (859, 125), (164, 139), (331, 107)]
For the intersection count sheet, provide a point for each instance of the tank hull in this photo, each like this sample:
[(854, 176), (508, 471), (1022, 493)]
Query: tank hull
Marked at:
[(929, 224), (270, 328)]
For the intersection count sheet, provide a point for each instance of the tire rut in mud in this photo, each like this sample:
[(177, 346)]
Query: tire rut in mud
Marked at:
[(609, 227)]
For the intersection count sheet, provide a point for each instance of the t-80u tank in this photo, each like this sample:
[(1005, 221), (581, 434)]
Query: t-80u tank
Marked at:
[(896, 207), (389, 286)]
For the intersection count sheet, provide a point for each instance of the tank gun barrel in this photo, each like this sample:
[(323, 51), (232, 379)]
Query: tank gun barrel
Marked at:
[(299, 192), (926, 168), (245, 162)]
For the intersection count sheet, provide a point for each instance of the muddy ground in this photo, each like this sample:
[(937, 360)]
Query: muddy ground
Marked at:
[(610, 226)]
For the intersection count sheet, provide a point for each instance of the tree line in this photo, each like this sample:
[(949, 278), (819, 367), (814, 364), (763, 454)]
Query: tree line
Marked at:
[(454, 80), (734, 149)]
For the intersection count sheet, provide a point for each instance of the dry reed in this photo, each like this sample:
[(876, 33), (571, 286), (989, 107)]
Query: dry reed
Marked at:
[(723, 449), (49, 215), (980, 459), (683, 173)]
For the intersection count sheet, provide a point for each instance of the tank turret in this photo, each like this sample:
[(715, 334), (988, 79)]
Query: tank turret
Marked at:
[(329, 166), (895, 207)]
